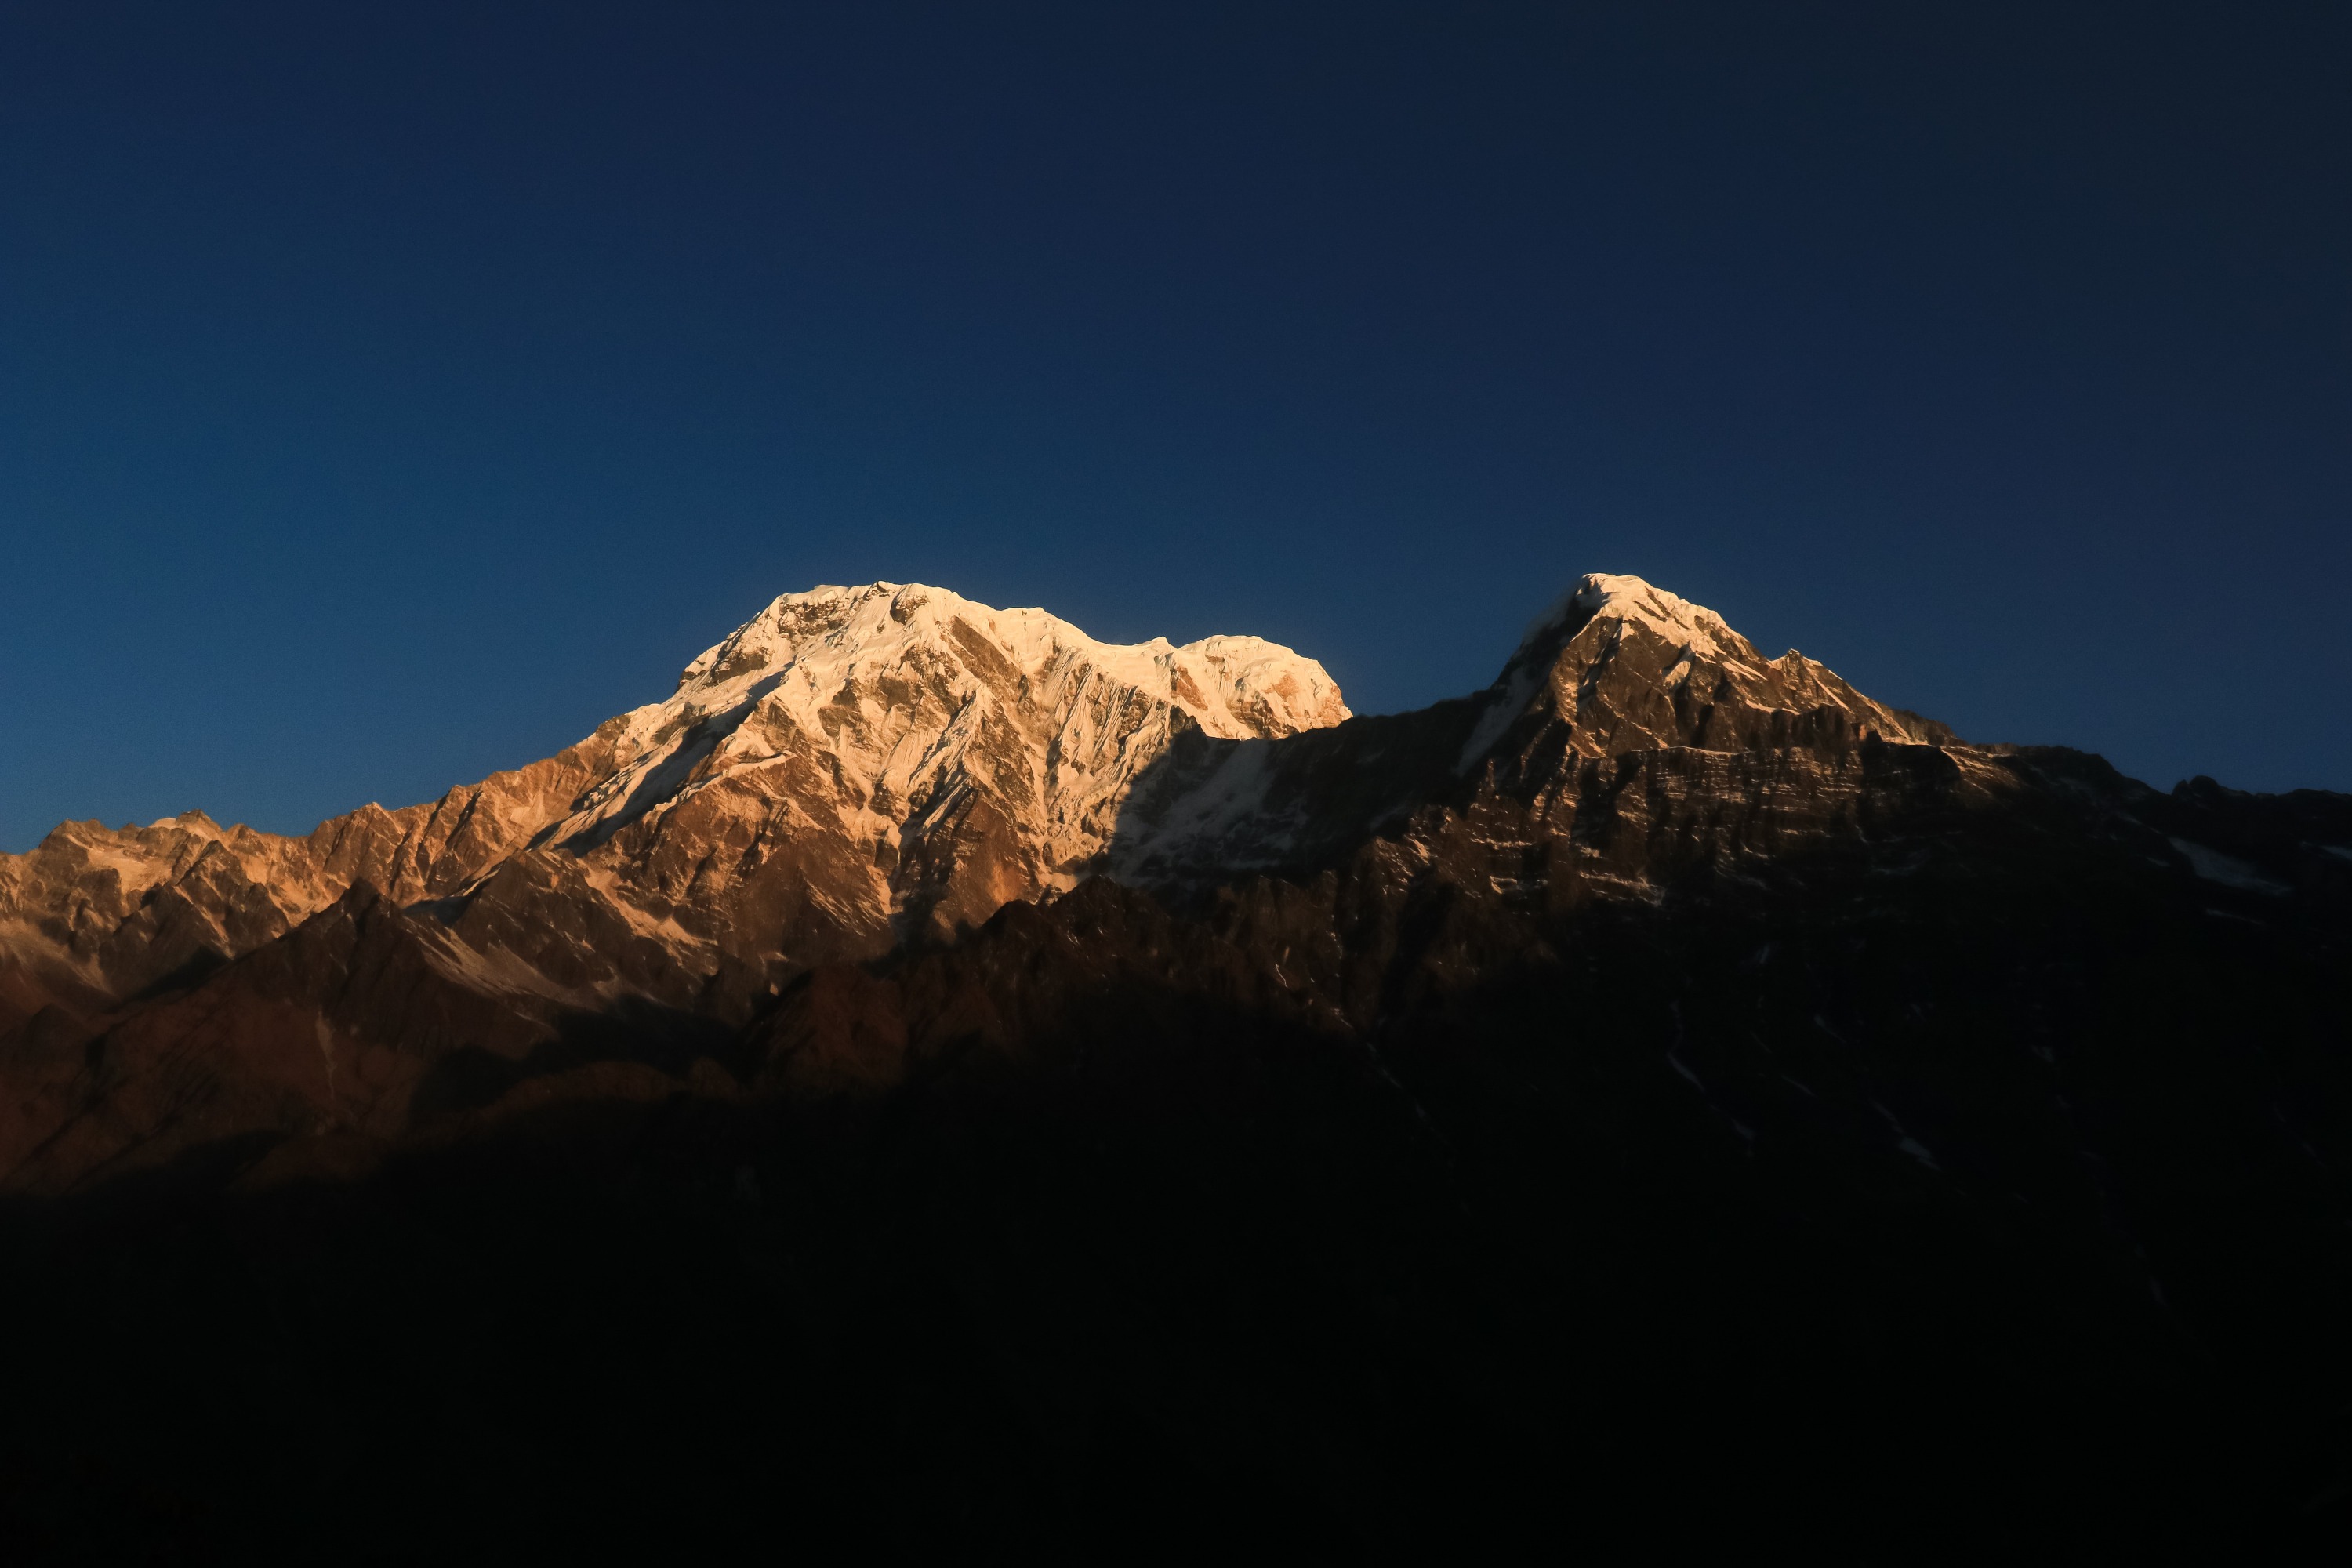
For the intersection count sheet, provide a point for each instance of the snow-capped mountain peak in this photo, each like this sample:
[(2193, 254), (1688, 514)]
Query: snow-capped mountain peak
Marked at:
[(850, 763), (1605, 596), (1625, 665), (914, 697), (1630, 598), (1231, 686)]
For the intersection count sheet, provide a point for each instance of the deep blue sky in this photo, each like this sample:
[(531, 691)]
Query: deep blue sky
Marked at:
[(388, 394)]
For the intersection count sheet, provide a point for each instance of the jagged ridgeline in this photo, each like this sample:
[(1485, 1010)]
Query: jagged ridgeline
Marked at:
[(1667, 1089)]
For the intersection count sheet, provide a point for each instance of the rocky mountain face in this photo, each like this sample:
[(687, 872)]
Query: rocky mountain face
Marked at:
[(852, 768), (1668, 1091)]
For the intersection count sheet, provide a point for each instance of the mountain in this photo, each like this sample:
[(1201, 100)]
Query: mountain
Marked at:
[(849, 768), (939, 1078), (850, 764)]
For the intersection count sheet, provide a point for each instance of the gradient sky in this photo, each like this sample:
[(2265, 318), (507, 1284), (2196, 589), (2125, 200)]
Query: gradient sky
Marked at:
[(388, 394)]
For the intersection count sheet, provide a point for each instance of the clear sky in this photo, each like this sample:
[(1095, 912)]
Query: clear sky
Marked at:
[(390, 393)]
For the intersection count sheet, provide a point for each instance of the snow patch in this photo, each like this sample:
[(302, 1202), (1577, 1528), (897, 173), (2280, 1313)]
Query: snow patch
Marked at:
[(1608, 596), (1215, 811), (2213, 866), (1500, 713)]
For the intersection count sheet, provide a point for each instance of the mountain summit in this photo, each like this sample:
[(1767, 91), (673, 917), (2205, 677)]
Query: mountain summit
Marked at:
[(1632, 666)]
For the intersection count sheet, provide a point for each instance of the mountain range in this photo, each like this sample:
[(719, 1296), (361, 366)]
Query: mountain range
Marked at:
[(938, 1082)]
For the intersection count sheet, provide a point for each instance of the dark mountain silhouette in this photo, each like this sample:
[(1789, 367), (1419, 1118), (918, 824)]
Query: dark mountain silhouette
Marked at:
[(939, 1083)]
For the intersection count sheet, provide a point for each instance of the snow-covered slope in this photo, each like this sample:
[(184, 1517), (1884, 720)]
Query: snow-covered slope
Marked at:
[(850, 765), (1610, 596), (917, 694)]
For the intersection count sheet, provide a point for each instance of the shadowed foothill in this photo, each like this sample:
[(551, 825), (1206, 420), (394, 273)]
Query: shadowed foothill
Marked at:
[(938, 1082)]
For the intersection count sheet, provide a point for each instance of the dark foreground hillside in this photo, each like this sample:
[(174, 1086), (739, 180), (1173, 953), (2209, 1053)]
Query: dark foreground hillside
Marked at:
[(1976, 1191), (940, 1084)]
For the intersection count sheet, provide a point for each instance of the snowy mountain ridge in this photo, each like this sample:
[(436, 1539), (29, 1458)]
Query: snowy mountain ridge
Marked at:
[(1627, 598), (856, 767), (829, 667), (850, 764)]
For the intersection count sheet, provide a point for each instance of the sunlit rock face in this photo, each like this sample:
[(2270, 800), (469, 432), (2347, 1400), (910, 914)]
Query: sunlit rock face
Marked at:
[(852, 768), (1619, 666), (856, 762), (856, 770), (859, 771)]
